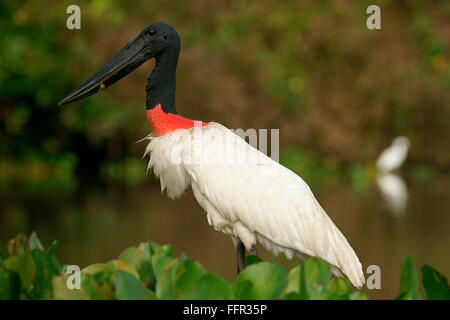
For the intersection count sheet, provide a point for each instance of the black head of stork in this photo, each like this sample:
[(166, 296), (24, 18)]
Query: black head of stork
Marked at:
[(160, 41)]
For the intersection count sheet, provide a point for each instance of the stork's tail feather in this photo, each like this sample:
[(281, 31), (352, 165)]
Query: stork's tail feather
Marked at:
[(346, 260)]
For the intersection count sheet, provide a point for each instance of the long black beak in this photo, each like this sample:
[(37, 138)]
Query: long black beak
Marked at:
[(128, 59)]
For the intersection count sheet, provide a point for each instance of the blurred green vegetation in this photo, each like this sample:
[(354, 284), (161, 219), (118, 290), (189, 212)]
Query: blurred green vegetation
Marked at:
[(338, 92), (150, 271)]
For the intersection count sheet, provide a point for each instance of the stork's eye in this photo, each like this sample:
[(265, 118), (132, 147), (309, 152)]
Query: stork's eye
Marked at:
[(151, 32)]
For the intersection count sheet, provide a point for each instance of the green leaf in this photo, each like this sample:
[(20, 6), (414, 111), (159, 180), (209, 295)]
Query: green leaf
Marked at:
[(188, 273), (56, 264), (249, 260), (146, 274), (62, 292), (9, 284), (159, 264), (291, 296), (435, 284), (128, 287), (160, 258), (51, 250), (409, 281), (34, 242), (358, 295), (162, 251), (26, 269), (339, 287), (165, 286), (268, 280), (120, 265), (91, 287), (314, 276), (93, 268), (12, 263), (321, 293), (45, 270), (293, 280), (210, 287), (130, 256), (140, 259), (317, 271), (104, 278), (243, 290), (17, 245)]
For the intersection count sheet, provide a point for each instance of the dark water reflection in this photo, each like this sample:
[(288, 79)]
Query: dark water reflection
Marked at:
[(95, 224)]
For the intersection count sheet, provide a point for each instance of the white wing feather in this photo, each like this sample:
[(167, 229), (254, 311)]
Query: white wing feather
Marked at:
[(258, 200)]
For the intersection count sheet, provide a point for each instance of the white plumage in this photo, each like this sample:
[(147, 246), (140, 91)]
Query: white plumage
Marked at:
[(250, 197), (393, 157)]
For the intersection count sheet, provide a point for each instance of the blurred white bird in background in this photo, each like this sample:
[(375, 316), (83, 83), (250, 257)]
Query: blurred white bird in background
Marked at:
[(392, 186), (393, 157)]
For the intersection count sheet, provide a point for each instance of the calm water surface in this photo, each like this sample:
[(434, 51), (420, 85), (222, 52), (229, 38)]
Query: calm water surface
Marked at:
[(96, 223)]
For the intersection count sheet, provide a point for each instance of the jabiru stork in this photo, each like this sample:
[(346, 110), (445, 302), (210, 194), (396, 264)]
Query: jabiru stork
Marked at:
[(254, 200)]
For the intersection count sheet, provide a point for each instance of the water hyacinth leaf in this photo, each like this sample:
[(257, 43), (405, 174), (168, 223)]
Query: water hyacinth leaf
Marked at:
[(243, 290), (358, 295), (188, 273), (268, 280), (56, 264), (93, 268), (9, 284), (314, 276), (139, 258), (17, 245), (337, 296), (35, 243), (165, 286), (51, 250), (317, 271), (292, 296), (339, 286), (104, 278), (130, 256), (339, 289), (120, 265), (435, 284), (153, 247), (409, 280), (210, 287), (62, 292), (318, 292), (90, 286), (12, 263), (159, 264), (249, 260), (162, 255), (45, 270), (163, 251), (293, 280), (145, 251), (147, 275), (26, 269), (128, 287)]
